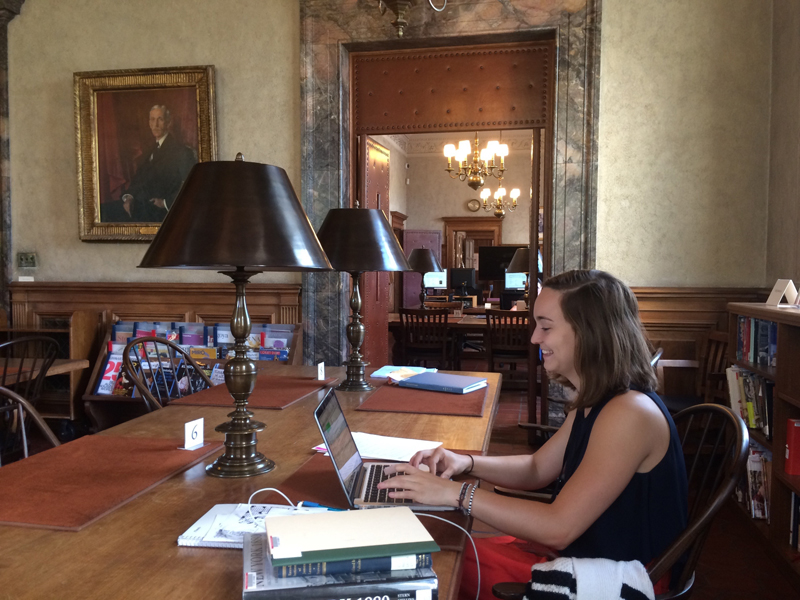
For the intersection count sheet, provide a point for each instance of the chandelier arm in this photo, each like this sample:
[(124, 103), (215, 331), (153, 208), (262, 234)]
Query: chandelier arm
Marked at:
[(437, 9)]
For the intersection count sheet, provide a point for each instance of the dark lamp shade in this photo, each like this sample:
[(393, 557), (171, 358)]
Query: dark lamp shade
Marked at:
[(423, 260), (360, 239), (520, 262), (232, 214)]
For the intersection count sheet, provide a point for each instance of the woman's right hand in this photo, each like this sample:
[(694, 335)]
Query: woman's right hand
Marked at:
[(441, 462)]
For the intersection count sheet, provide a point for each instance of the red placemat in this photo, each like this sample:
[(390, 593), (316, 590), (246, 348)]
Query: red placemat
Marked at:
[(391, 398), (73, 485), (270, 392), (316, 481)]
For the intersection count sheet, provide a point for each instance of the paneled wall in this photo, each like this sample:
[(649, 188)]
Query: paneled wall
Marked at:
[(31, 303)]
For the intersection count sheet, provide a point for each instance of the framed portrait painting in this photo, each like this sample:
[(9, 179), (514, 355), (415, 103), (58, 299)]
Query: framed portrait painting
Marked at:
[(139, 132)]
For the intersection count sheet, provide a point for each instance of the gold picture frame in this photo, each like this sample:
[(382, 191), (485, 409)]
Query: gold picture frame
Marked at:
[(138, 132)]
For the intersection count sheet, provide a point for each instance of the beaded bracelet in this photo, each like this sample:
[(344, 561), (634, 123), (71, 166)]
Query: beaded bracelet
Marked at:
[(465, 488), (462, 495), (471, 498), (472, 466)]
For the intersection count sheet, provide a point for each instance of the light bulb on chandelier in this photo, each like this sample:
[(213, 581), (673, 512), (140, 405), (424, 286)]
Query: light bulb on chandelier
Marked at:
[(499, 204), (482, 163)]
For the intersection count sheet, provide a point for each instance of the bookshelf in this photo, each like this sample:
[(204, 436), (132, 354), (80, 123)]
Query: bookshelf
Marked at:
[(786, 405)]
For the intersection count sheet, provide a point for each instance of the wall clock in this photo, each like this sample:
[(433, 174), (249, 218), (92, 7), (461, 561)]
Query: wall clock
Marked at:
[(474, 205)]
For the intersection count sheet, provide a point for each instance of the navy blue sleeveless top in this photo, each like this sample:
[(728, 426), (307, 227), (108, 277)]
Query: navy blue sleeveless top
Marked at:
[(651, 511)]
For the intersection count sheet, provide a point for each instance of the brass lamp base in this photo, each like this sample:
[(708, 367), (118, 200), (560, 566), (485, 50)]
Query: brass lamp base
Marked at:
[(355, 380), (240, 459)]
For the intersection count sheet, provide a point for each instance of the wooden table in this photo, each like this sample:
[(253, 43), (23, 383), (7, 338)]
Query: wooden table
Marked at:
[(132, 552), (60, 366)]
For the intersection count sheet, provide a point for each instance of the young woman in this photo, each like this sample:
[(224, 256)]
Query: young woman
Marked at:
[(616, 461)]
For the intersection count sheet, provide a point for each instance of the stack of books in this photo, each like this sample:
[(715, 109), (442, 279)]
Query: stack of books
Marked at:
[(382, 553)]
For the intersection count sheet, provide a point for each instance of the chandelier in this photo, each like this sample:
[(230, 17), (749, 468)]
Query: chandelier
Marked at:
[(483, 162), (499, 204), (399, 8)]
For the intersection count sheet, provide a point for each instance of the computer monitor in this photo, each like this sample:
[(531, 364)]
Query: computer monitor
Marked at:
[(436, 280), (494, 260), (515, 281), (465, 277)]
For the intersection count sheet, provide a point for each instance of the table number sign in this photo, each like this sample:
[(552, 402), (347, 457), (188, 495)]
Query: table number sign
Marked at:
[(321, 371), (193, 434)]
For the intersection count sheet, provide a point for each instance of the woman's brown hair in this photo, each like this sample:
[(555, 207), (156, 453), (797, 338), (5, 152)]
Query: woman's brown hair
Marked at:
[(612, 352)]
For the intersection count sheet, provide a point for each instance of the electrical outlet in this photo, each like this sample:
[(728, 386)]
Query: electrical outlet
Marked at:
[(26, 260)]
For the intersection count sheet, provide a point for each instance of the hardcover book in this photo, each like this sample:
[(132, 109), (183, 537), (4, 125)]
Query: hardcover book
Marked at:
[(444, 382), (346, 535)]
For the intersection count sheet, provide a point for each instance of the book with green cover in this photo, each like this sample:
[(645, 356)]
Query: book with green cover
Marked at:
[(346, 535)]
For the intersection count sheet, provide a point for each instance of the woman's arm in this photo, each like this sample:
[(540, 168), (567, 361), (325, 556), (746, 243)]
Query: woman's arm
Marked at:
[(630, 434), (522, 472)]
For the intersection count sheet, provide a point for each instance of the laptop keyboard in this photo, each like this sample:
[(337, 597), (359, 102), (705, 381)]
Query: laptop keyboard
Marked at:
[(373, 494)]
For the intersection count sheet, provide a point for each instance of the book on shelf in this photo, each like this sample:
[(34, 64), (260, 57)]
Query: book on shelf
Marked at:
[(734, 391), (444, 382), (111, 370), (345, 535), (259, 582), (792, 464), (756, 486), (794, 522)]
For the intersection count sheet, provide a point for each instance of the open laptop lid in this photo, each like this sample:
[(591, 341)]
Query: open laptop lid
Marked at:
[(340, 443)]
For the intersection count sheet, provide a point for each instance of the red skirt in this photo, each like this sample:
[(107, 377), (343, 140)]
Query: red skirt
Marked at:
[(506, 558)]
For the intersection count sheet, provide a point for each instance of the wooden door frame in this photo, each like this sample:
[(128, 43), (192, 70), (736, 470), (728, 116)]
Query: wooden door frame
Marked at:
[(350, 147), (490, 225)]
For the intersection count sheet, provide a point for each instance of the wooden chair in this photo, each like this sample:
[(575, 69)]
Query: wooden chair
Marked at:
[(161, 370), (16, 414), (24, 363), (715, 443), (508, 344), (710, 374), (424, 337)]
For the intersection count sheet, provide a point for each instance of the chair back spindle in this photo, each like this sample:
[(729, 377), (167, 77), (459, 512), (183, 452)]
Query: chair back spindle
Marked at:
[(161, 371)]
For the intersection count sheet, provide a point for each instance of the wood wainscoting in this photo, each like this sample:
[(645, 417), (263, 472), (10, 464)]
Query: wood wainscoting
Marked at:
[(678, 319), (34, 302)]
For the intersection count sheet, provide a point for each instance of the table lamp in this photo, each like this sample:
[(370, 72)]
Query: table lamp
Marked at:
[(520, 263), (240, 218), (423, 260), (358, 240)]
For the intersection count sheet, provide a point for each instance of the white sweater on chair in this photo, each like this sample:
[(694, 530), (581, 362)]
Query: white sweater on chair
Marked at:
[(589, 579)]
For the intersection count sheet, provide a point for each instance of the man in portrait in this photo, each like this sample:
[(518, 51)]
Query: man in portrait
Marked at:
[(160, 172)]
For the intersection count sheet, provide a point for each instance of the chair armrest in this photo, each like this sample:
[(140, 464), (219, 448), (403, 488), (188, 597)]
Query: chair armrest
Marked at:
[(538, 427), (543, 495), (509, 590), (679, 363)]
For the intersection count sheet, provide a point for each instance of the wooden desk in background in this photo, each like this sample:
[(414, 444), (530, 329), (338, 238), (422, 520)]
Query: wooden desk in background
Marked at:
[(132, 552)]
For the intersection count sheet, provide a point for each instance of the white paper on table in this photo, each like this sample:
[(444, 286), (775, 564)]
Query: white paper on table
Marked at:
[(383, 447), (232, 526)]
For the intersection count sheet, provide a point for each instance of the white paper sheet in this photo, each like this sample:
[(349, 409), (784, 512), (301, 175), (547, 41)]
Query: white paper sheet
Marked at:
[(382, 447)]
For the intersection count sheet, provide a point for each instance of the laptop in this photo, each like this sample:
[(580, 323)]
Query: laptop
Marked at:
[(358, 478)]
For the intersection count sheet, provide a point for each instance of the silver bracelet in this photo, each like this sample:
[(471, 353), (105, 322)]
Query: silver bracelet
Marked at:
[(471, 498)]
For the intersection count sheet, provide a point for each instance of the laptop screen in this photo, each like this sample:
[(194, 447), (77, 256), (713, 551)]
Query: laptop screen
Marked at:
[(339, 440)]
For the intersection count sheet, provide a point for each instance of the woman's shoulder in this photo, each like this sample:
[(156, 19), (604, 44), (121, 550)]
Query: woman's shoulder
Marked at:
[(635, 408)]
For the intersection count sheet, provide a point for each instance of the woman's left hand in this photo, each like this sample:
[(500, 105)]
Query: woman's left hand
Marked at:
[(420, 486)]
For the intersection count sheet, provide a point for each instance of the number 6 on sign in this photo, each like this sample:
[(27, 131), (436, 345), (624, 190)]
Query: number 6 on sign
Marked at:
[(193, 434)]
